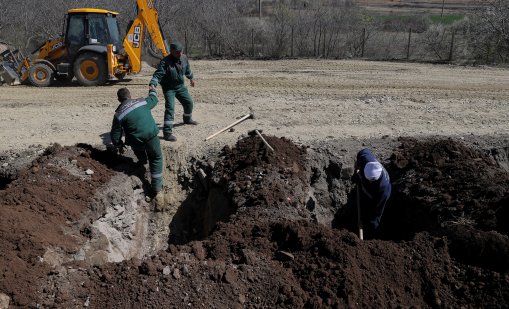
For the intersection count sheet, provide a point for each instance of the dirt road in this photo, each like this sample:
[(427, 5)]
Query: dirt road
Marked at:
[(301, 99)]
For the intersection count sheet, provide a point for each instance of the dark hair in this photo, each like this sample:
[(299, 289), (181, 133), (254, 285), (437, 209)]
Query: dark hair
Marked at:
[(123, 94)]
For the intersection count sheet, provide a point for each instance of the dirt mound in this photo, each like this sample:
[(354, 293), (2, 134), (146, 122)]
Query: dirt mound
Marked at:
[(256, 176), (45, 207), (452, 182), (264, 248), (447, 188)]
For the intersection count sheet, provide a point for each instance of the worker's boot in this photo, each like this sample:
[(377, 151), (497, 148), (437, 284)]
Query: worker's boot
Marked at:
[(159, 201), (190, 121), (169, 137)]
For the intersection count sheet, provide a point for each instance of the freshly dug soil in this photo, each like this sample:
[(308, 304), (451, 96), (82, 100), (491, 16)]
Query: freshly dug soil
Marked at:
[(45, 207), (266, 250)]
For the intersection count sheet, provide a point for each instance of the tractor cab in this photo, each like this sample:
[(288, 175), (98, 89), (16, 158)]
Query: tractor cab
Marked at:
[(91, 27), (91, 49)]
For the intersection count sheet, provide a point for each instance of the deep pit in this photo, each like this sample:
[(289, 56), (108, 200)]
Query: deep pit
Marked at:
[(248, 227)]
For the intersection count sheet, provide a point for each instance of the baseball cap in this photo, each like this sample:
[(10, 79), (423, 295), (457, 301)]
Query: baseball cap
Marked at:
[(176, 46)]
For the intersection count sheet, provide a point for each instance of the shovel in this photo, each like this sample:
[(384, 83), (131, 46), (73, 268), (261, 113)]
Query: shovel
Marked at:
[(359, 222)]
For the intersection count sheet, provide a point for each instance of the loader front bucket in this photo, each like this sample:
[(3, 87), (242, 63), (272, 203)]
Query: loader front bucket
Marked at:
[(7, 74), (9, 62)]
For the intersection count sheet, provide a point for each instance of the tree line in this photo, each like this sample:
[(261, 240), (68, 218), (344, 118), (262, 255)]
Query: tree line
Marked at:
[(335, 29)]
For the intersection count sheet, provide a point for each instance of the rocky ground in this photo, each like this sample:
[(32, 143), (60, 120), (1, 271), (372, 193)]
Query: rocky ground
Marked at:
[(245, 227)]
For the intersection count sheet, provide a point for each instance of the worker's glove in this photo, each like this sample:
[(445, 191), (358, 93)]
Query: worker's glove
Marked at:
[(122, 149), (356, 178), (118, 148)]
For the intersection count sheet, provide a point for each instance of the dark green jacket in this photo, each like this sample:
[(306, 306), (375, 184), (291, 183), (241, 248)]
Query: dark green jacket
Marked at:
[(170, 73), (134, 116)]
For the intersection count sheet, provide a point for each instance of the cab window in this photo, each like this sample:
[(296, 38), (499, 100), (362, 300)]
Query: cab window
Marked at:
[(76, 30), (98, 30), (113, 30)]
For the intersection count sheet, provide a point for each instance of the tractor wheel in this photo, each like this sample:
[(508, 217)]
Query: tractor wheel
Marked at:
[(40, 75), (91, 69)]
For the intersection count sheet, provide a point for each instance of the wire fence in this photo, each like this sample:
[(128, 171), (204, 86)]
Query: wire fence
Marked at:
[(446, 45)]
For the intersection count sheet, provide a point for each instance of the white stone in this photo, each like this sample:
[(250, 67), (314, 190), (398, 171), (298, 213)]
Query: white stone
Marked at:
[(89, 172), (166, 270), (5, 164), (4, 301), (176, 273)]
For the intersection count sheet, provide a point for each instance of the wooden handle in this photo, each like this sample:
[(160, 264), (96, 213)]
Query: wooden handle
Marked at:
[(231, 125), (263, 139), (359, 221)]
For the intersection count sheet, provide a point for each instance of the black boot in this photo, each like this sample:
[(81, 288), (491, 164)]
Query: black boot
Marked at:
[(169, 137)]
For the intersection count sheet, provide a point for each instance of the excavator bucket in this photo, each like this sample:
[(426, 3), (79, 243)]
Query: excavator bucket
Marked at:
[(9, 62)]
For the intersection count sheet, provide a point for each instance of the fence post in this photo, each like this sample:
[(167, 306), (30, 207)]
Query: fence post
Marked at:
[(324, 51), (452, 46), (408, 45), (260, 9), (185, 43), (363, 42), (252, 43), (291, 45), (488, 48), (206, 43)]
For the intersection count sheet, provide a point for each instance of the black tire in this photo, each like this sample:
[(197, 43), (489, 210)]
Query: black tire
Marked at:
[(40, 75), (91, 69)]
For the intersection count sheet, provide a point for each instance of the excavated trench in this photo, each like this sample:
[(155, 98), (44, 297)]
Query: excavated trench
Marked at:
[(441, 187), (294, 205)]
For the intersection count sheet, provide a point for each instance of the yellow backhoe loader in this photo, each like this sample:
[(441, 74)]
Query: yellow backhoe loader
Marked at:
[(91, 49)]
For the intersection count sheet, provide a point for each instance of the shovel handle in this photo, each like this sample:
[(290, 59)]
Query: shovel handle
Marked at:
[(359, 222), (229, 126), (264, 141)]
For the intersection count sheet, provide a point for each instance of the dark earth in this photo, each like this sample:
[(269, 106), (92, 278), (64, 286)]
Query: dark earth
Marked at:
[(249, 237)]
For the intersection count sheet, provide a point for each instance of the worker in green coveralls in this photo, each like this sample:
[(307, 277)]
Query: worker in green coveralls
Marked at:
[(170, 74), (134, 117)]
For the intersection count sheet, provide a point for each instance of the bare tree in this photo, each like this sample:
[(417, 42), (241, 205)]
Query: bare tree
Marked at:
[(281, 21), (435, 41), (489, 30)]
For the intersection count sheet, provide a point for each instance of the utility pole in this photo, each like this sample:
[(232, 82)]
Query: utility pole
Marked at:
[(260, 9), (443, 3)]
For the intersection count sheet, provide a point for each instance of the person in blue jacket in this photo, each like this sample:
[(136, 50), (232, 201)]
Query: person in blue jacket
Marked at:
[(374, 187)]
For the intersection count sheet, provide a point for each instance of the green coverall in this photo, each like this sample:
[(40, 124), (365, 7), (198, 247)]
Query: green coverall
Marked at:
[(134, 116), (170, 74)]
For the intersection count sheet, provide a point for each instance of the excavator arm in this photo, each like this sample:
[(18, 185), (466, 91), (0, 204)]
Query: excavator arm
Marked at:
[(147, 18)]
